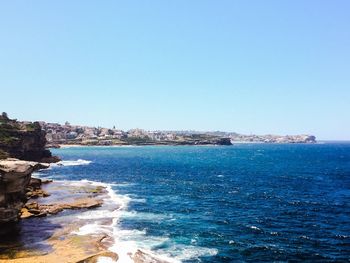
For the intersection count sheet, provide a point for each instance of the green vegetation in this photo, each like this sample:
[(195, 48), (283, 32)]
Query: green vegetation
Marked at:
[(8, 131), (9, 134), (33, 126), (118, 142), (138, 140)]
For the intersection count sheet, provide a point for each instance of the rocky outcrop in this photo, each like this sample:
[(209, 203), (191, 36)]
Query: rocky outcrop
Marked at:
[(15, 176), (33, 209), (23, 140), (85, 197)]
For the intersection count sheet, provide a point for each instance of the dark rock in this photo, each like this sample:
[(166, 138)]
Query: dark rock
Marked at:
[(24, 140), (223, 141), (51, 159), (35, 183), (15, 176)]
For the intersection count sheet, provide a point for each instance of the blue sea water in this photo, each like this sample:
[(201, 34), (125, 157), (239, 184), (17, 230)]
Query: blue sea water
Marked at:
[(246, 202)]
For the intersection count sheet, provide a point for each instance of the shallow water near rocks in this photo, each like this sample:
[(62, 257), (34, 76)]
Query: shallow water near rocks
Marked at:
[(38, 237), (243, 202)]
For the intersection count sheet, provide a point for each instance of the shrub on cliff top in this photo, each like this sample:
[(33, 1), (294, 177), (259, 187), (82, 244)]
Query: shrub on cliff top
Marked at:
[(33, 126)]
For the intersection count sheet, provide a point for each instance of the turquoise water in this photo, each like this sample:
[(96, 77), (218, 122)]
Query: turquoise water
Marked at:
[(246, 202)]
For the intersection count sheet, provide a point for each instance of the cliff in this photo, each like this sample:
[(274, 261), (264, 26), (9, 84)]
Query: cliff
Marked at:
[(23, 140), (15, 176)]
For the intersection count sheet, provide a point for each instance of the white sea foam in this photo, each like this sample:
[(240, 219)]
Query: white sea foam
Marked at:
[(128, 241), (105, 260), (72, 163), (182, 252), (98, 214), (145, 216), (123, 184), (94, 228), (36, 174), (255, 228)]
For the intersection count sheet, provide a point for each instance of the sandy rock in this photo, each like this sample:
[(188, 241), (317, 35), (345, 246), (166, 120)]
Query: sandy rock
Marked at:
[(83, 203), (37, 193), (95, 258)]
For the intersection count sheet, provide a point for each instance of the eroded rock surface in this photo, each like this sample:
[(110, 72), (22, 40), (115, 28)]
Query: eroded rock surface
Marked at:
[(33, 209), (15, 176)]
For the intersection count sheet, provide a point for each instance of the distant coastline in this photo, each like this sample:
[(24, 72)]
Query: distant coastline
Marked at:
[(67, 134), (64, 146)]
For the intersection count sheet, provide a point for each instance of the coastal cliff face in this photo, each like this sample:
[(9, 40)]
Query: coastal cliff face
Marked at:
[(23, 140), (15, 176)]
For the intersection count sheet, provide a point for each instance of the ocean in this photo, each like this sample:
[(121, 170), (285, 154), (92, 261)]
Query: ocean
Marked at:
[(245, 203)]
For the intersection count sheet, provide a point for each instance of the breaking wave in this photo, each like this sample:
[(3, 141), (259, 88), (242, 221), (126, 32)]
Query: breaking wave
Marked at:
[(72, 163)]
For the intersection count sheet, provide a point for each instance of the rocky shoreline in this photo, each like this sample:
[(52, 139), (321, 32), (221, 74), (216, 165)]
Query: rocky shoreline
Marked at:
[(45, 200), (41, 220), (50, 220)]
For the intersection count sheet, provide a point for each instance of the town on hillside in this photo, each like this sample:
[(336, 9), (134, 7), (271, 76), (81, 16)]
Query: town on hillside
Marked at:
[(83, 135), (57, 134)]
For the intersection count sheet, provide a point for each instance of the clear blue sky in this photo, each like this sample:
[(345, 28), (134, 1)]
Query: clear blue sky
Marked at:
[(280, 67)]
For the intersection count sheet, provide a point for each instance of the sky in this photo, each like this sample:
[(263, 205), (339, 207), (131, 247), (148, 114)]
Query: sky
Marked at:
[(262, 67)]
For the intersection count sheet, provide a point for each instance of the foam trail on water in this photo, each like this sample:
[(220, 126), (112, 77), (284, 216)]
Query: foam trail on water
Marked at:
[(72, 163)]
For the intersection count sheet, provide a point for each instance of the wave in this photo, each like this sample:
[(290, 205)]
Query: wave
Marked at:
[(255, 228), (93, 228), (127, 242), (188, 252), (72, 163), (145, 216)]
